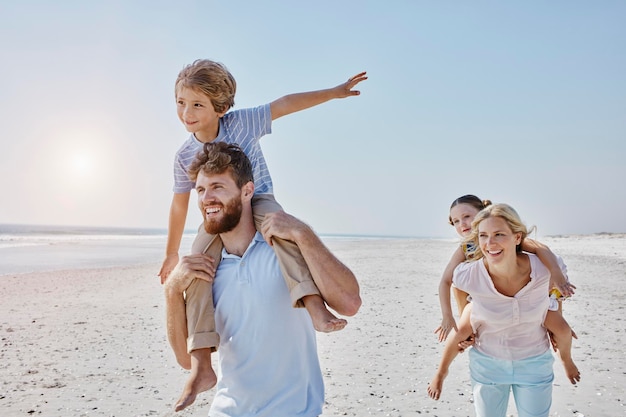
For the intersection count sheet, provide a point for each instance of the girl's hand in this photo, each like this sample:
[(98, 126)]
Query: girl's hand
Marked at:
[(447, 324), (559, 281)]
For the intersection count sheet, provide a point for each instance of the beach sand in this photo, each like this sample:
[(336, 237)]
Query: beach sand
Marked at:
[(92, 342)]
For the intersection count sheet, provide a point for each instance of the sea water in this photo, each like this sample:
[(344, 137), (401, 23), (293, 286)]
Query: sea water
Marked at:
[(36, 248), (27, 248)]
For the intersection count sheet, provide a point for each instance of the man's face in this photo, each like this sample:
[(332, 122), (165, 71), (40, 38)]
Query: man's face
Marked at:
[(219, 200)]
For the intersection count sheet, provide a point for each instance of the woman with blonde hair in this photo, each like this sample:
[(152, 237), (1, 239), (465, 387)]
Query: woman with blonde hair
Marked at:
[(509, 305)]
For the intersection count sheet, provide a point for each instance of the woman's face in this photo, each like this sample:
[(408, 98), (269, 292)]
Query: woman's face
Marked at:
[(462, 216), (496, 239)]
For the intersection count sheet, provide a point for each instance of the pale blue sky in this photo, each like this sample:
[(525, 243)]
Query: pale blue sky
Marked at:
[(518, 102)]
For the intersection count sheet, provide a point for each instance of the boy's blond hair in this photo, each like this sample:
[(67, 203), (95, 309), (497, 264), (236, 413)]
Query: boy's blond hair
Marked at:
[(212, 79)]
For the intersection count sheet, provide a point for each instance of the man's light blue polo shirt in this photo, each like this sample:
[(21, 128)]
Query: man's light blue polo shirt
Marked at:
[(268, 364)]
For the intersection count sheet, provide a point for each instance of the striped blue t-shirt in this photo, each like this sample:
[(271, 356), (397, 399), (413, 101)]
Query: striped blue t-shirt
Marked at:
[(242, 127)]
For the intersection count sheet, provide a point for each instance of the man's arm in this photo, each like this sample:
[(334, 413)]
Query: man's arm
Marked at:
[(336, 282), (190, 267), (300, 101)]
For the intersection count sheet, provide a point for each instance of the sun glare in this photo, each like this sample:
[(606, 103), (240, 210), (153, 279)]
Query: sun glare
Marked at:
[(81, 164)]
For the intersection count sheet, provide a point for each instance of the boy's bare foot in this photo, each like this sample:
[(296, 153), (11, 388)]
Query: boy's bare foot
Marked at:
[(202, 378), (323, 320), (436, 385)]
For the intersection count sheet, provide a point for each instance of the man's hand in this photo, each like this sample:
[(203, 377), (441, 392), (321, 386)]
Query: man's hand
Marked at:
[(283, 226), (189, 268)]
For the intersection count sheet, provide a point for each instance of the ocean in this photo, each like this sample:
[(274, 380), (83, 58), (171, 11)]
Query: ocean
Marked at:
[(32, 248), (37, 248)]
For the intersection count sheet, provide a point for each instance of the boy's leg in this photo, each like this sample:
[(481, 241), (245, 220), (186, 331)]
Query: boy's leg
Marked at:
[(199, 298), (450, 351), (562, 333), (302, 288), (201, 378), (202, 338)]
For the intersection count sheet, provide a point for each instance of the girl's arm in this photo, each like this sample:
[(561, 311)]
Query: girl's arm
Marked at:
[(451, 350), (176, 226), (547, 257), (300, 101), (447, 321)]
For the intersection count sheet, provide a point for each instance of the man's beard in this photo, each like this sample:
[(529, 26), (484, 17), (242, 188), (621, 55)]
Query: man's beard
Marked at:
[(231, 215)]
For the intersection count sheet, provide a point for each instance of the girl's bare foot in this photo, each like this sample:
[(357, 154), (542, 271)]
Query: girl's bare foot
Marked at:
[(323, 320), (436, 385), (202, 378)]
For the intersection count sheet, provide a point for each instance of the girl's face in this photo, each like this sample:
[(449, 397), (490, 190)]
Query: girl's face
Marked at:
[(462, 216)]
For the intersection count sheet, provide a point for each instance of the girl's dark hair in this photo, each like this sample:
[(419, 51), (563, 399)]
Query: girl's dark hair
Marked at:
[(472, 200)]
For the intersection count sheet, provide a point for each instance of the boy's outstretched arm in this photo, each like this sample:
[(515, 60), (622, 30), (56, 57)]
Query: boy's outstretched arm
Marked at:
[(548, 258), (292, 103)]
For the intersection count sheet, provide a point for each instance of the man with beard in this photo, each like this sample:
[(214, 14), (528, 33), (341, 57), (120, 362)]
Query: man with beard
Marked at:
[(268, 362)]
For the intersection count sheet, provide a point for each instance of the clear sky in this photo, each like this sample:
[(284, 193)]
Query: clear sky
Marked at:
[(518, 102)]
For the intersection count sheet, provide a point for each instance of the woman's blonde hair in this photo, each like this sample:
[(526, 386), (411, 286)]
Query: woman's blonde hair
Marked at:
[(505, 212)]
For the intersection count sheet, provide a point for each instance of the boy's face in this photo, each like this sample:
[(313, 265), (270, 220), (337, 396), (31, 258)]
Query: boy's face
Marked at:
[(196, 112)]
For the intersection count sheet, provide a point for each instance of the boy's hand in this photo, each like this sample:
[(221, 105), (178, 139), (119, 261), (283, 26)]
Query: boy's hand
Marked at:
[(168, 265), (346, 89)]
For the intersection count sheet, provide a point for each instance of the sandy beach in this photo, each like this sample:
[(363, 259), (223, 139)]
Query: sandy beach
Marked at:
[(91, 342)]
